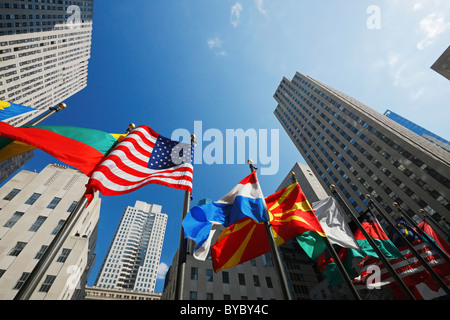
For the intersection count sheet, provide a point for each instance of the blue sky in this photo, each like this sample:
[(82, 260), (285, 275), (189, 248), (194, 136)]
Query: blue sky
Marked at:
[(169, 63)]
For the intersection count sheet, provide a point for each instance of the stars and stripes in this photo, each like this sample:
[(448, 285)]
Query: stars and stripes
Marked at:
[(144, 157), (408, 268)]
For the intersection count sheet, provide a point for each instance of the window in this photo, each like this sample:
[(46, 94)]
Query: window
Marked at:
[(12, 194), (37, 224), (17, 249), (21, 281), (269, 282), (58, 227), (225, 277), (54, 203), (194, 273), (64, 254), (241, 277), (209, 275), (33, 198), (193, 295), (46, 285), (72, 206), (41, 252), (12, 221), (256, 281), (209, 296)]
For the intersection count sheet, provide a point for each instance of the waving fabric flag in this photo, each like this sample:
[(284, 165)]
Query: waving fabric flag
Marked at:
[(413, 274), (245, 200), (334, 225), (78, 147), (10, 110), (373, 228), (440, 241), (290, 215), (143, 157)]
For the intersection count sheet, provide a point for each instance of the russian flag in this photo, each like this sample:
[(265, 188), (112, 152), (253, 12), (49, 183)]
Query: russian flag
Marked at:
[(244, 200)]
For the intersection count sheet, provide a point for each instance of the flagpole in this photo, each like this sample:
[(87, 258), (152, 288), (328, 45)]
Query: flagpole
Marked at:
[(336, 259), (50, 253), (181, 265), (51, 111), (273, 248), (388, 266), (408, 244), (421, 232)]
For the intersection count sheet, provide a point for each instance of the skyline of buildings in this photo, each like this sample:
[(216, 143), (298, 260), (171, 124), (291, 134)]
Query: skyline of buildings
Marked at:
[(132, 260), (34, 207), (352, 146), (44, 55)]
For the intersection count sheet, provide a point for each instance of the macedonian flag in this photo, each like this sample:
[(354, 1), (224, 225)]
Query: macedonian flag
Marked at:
[(290, 215)]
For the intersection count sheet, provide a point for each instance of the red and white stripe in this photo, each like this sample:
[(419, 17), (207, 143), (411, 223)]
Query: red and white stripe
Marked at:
[(410, 270), (125, 168)]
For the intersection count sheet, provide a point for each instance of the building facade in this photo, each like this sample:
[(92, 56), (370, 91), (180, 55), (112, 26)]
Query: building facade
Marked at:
[(252, 280), (34, 207), (426, 134), (361, 151), (45, 46), (133, 257), (96, 293)]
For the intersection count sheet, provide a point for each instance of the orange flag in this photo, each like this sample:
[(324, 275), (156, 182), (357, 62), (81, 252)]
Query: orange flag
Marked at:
[(290, 215)]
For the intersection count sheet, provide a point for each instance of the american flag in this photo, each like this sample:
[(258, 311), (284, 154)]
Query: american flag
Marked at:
[(409, 269), (144, 157)]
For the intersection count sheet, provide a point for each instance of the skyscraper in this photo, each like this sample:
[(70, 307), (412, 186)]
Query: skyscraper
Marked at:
[(132, 259), (34, 207), (361, 151), (44, 51)]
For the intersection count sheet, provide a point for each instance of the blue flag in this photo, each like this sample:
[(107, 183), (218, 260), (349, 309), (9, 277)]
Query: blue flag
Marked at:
[(9, 110)]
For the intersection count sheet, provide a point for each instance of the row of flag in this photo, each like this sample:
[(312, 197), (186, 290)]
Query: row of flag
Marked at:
[(121, 163)]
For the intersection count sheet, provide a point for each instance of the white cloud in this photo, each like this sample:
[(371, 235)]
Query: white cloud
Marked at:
[(162, 270), (432, 26), (260, 6), (236, 14), (214, 43)]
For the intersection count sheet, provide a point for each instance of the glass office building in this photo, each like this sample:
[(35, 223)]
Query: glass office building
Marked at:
[(361, 151)]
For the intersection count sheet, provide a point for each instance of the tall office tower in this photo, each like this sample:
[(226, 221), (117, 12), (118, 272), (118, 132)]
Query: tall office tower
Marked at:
[(359, 150), (430, 136), (34, 207), (132, 259), (44, 51)]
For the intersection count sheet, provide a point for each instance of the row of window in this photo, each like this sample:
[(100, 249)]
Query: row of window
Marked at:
[(32, 199), (226, 278)]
